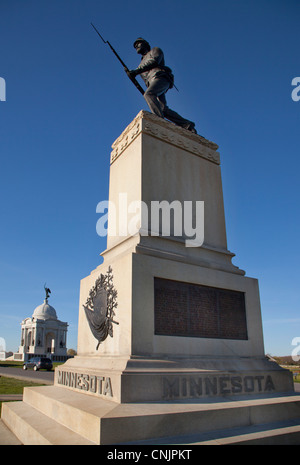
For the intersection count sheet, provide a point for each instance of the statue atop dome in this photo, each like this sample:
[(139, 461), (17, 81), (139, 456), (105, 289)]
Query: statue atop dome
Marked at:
[(47, 290)]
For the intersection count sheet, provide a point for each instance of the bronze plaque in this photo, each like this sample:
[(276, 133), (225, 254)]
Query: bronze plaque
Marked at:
[(192, 310)]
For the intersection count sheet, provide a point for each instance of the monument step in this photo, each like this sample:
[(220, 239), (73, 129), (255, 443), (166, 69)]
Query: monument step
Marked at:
[(278, 433), (105, 422), (32, 427), (79, 412)]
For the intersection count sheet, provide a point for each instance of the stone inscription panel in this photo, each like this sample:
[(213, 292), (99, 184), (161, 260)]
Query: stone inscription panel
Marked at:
[(181, 387), (192, 310), (99, 385)]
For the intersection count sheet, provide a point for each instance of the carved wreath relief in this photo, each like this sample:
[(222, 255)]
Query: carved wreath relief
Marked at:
[(100, 305)]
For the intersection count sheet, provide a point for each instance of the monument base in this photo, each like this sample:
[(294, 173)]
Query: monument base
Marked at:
[(54, 415), (161, 350), (141, 379)]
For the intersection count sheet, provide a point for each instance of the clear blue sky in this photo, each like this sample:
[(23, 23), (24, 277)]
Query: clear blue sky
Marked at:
[(68, 99)]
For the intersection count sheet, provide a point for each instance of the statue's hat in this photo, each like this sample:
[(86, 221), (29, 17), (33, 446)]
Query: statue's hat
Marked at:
[(140, 39)]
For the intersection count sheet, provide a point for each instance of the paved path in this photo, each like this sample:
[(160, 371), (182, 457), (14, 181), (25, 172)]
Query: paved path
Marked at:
[(6, 397), (43, 377)]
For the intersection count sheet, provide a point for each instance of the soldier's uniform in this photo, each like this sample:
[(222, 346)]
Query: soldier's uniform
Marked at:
[(159, 79)]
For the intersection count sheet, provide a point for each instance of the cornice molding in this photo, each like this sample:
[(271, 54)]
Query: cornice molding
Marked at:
[(152, 125)]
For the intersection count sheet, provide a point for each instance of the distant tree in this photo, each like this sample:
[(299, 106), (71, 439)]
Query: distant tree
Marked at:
[(71, 352)]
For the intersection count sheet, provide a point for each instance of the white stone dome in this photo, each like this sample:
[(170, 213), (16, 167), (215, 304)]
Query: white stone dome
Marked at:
[(45, 312)]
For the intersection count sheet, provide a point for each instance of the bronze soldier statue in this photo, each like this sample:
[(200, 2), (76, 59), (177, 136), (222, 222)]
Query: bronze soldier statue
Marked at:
[(158, 79)]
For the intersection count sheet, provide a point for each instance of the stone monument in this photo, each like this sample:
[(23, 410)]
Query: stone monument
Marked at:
[(170, 340)]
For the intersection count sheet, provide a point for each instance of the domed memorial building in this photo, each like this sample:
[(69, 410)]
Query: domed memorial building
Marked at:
[(43, 335)]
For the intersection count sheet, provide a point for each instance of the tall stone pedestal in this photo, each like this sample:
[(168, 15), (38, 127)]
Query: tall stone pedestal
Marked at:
[(187, 328), (189, 320)]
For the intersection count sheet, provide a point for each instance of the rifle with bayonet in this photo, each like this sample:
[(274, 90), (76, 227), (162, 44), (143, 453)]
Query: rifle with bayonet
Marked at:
[(133, 80)]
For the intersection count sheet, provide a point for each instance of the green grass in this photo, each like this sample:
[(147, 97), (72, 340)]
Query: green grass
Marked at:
[(11, 363), (14, 386), (297, 379)]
